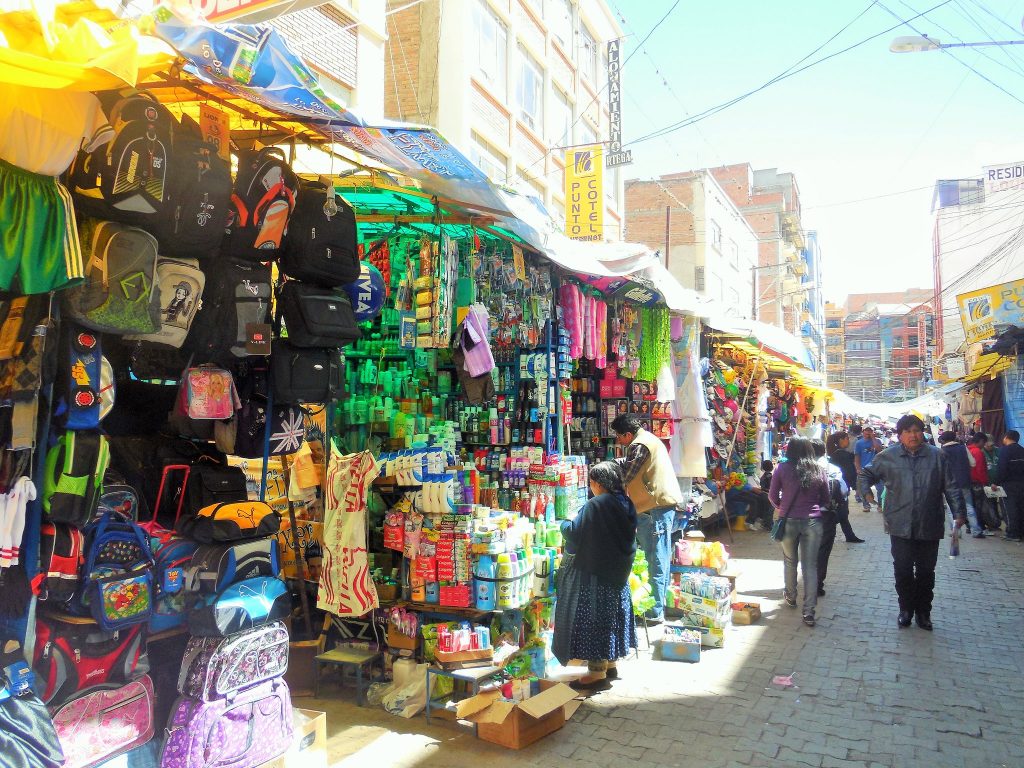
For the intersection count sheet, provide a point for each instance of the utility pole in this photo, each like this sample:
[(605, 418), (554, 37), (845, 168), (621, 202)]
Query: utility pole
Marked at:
[(668, 230)]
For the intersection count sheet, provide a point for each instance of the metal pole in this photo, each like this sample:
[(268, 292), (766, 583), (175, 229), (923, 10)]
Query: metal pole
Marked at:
[(668, 225)]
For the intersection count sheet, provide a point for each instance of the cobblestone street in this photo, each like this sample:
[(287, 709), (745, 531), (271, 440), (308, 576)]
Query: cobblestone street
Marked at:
[(866, 693)]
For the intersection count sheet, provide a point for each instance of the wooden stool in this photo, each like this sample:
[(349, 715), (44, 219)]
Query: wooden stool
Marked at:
[(354, 659)]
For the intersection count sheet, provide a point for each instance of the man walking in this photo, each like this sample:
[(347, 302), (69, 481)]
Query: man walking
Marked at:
[(916, 477), (961, 463), (1010, 474), (652, 486), (864, 451)]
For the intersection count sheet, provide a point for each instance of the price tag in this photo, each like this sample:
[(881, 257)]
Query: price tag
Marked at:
[(216, 129), (257, 338)]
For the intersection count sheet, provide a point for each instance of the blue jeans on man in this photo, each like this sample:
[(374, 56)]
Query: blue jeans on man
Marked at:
[(654, 536)]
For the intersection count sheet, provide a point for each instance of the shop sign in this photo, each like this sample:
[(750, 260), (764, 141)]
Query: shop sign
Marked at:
[(955, 367), (615, 154), (1003, 178), (221, 11), (216, 129), (584, 193), (981, 311)]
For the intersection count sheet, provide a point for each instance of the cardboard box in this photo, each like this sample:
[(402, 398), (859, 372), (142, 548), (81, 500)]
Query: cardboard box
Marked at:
[(400, 641), (482, 657), (674, 648), (301, 674), (704, 606), (745, 613), (309, 745), (710, 637), (518, 725)]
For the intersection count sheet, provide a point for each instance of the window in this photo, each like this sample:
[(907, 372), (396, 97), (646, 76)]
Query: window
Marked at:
[(715, 236), (560, 120), (912, 341), (491, 40), (587, 133), (530, 91), (897, 343), (734, 254), (611, 186), (558, 15), (588, 55), (835, 359), (834, 322), (488, 160), (698, 278)]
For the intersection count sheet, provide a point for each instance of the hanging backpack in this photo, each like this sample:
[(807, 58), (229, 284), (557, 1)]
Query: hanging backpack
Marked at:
[(181, 285), (117, 588), (74, 655), (100, 725), (236, 298), (127, 178), (118, 295), (242, 731), (200, 194), (304, 375), (317, 317), (215, 668), (61, 557), (245, 435), (216, 566), (82, 380), (321, 249), (240, 607), (211, 484), (232, 521), (27, 735), (265, 194), (74, 477)]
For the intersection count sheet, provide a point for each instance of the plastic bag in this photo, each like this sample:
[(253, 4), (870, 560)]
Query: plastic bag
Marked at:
[(409, 700)]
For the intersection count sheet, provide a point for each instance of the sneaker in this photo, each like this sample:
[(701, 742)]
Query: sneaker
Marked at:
[(791, 601), (1012, 538), (821, 591), (809, 620), (855, 540), (990, 532), (978, 535)]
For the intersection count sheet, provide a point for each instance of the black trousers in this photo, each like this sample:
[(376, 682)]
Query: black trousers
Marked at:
[(913, 563), (1014, 502), (828, 538), (843, 515)]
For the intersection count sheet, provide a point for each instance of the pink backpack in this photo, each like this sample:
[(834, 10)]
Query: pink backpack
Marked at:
[(103, 724), (683, 556), (208, 392)]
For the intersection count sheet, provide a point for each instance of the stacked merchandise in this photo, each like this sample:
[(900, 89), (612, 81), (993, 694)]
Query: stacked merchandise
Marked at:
[(732, 392), (704, 603)]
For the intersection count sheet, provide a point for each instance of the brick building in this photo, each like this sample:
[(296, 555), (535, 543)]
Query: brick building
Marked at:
[(835, 345)]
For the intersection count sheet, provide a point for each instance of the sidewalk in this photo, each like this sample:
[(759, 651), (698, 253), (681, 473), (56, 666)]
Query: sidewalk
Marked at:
[(866, 692)]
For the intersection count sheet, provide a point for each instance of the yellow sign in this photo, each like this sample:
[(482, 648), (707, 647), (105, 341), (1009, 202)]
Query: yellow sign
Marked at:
[(216, 129), (518, 263), (998, 305), (584, 192)]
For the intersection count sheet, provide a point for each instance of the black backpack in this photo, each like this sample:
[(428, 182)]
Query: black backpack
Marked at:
[(321, 249), (200, 193), (237, 295), (304, 375), (265, 194), (317, 317), (127, 179)]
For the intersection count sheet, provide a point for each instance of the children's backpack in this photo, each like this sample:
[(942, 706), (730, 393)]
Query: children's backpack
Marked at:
[(304, 375), (127, 178), (214, 668), (317, 317), (118, 294), (265, 194), (74, 477), (232, 521), (172, 601), (61, 557), (82, 380), (74, 655), (117, 589), (217, 566), (192, 225), (181, 284), (207, 392), (321, 247), (240, 607), (236, 298)]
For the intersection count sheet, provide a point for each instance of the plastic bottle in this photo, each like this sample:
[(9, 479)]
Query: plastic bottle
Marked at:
[(485, 597), (504, 574)]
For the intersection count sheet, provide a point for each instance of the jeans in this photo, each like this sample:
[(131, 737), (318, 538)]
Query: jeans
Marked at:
[(803, 535), (863, 487), (653, 535), (913, 564), (972, 515)]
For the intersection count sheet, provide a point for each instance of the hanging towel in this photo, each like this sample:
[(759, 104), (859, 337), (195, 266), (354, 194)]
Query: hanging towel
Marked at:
[(601, 357), (570, 299)]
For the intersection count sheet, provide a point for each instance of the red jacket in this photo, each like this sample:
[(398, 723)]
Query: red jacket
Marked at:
[(979, 472)]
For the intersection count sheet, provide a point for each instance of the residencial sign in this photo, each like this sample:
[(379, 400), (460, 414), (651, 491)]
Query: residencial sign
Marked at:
[(247, 11), (584, 192), (1003, 178), (999, 305), (615, 155)]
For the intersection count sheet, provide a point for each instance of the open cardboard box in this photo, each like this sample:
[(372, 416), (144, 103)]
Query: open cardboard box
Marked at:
[(309, 743), (518, 725), (482, 657)]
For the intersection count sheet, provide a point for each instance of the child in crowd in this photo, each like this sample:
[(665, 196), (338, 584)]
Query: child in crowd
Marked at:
[(767, 468)]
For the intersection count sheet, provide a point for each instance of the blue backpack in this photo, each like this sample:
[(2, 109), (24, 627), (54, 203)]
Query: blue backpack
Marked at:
[(117, 580), (245, 605), (172, 602)]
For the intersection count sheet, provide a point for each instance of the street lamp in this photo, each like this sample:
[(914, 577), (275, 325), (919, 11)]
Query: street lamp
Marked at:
[(918, 43)]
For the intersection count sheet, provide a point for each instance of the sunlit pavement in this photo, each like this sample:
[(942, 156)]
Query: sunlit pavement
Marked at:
[(865, 693)]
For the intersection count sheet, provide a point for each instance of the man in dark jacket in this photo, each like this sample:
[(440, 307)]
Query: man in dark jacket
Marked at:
[(1010, 474), (961, 462), (916, 477)]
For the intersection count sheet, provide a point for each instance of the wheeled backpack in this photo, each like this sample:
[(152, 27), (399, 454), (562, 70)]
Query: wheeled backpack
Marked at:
[(266, 191), (317, 317), (216, 566), (243, 731), (119, 293), (217, 667), (245, 605), (236, 299), (181, 284), (74, 655), (74, 477), (102, 724), (321, 249), (304, 375)]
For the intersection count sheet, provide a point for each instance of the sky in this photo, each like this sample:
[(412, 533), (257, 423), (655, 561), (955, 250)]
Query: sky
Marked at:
[(862, 124)]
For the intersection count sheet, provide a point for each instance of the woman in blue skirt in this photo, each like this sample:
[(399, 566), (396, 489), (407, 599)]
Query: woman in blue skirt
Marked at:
[(594, 612)]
